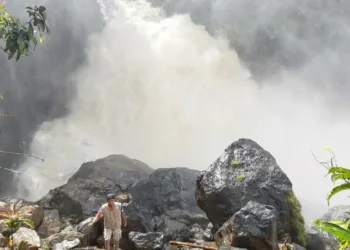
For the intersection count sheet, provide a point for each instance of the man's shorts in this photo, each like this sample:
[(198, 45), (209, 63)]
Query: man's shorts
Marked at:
[(117, 234)]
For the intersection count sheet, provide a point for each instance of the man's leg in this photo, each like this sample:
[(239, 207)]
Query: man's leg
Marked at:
[(107, 236), (117, 234)]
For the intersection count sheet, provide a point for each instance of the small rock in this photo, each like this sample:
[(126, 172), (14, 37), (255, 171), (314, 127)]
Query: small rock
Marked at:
[(298, 247), (147, 241), (67, 244), (315, 240), (2, 240), (173, 230), (54, 239), (196, 233), (208, 233), (27, 235)]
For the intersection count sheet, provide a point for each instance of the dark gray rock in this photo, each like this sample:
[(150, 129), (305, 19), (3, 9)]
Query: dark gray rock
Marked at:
[(167, 189), (322, 239), (246, 172), (253, 227), (136, 220), (86, 190), (298, 247), (165, 202), (173, 230), (147, 241), (315, 240), (162, 200)]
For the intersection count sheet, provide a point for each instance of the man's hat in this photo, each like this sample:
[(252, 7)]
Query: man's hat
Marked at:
[(110, 196)]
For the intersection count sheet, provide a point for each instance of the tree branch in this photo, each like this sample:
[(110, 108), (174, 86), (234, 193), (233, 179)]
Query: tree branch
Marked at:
[(27, 155)]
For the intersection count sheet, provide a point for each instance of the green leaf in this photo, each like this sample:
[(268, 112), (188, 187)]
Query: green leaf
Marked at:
[(344, 176), (28, 222), (337, 189), (338, 170), (328, 150), (341, 233)]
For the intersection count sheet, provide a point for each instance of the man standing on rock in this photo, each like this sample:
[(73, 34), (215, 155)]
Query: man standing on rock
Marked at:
[(113, 214)]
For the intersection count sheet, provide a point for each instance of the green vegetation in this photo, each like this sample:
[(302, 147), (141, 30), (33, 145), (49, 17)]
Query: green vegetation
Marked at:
[(340, 229), (240, 178), (21, 38), (297, 220), (235, 164), (15, 217)]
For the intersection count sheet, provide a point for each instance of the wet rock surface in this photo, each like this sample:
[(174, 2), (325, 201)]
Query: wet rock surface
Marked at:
[(246, 172)]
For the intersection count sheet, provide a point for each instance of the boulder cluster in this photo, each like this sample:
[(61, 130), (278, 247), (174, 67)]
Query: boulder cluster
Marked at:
[(242, 201)]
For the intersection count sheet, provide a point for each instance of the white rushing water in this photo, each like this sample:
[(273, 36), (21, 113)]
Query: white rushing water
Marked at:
[(164, 91)]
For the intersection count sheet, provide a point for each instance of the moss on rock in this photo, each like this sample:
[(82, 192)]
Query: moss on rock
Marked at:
[(297, 220)]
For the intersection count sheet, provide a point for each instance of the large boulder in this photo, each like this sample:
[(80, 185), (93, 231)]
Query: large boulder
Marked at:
[(165, 202), (253, 227), (246, 172), (86, 190)]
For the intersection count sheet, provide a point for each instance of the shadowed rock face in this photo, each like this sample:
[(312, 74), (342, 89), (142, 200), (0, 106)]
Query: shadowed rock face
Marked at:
[(162, 200), (86, 190), (245, 172), (165, 202), (253, 227)]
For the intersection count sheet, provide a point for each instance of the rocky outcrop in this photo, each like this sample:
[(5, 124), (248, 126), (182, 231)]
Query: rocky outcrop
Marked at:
[(163, 201), (246, 172), (252, 227), (86, 190)]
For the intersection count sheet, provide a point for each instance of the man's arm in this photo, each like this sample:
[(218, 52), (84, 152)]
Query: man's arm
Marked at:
[(97, 217)]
